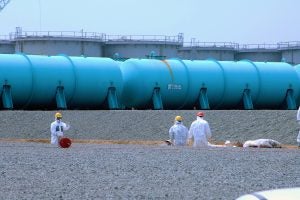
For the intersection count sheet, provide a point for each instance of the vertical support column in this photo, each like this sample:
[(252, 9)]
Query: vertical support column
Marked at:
[(7, 98), (60, 98), (247, 100), (156, 99), (203, 100), (112, 99), (290, 100)]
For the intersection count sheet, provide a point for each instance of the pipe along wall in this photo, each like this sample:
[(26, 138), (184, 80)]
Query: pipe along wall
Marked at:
[(62, 82)]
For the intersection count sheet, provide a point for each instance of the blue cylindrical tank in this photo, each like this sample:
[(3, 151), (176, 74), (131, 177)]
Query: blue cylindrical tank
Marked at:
[(238, 76), (204, 74), (142, 76), (16, 71), (48, 73), (275, 79), (225, 83), (94, 76), (34, 80), (297, 68)]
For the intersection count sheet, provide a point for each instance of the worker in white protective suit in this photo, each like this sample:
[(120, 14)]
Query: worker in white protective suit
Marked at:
[(57, 128), (298, 119), (262, 143), (178, 133), (200, 131)]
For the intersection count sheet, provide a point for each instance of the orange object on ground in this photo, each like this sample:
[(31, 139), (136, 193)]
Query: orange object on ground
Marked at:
[(65, 142)]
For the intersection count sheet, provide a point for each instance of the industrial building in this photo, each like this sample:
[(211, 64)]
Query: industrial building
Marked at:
[(122, 47)]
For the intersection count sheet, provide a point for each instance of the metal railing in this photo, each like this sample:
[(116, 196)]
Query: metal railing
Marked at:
[(291, 44), (19, 34), (59, 34), (258, 46), (95, 35), (5, 37), (152, 38), (278, 46), (231, 45)]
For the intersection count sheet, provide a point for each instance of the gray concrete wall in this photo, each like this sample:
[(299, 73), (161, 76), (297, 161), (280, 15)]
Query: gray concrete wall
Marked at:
[(291, 56), (7, 47), (203, 54), (259, 56), (140, 50), (54, 47)]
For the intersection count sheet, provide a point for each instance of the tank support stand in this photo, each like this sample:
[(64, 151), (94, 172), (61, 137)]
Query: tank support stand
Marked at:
[(7, 98)]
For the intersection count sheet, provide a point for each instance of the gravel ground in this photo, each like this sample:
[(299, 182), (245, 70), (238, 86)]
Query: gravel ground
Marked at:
[(232, 125), (93, 171), (89, 171)]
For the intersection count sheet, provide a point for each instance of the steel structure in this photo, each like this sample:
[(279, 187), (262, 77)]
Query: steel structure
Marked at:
[(3, 3)]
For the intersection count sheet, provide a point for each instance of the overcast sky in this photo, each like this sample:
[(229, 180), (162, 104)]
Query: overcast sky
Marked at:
[(241, 21)]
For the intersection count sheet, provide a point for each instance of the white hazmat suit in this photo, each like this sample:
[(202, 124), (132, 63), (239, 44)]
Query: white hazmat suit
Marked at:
[(178, 134), (262, 143), (201, 132), (57, 130), (298, 119)]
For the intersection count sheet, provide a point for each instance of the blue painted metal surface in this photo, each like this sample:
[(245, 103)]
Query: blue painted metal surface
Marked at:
[(243, 84), (95, 83), (142, 76), (239, 76), (207, 75), (276, 78), (16, 71), (48, 73), (81, 82), (94, 77)]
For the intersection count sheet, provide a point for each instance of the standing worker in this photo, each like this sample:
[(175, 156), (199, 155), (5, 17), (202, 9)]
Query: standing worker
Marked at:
[(200, 131), (178, 132), (298, 119), (57, 128)]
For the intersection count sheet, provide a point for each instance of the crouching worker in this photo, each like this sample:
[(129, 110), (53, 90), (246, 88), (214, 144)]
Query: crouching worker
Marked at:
[(57, 129), (262, 143), (200, 131), (178, 133)]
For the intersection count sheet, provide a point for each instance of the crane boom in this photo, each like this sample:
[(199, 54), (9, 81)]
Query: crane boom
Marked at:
[(3, 3)]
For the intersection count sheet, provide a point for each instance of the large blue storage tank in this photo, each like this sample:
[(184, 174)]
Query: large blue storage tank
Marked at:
[(94, 77), (16, 70), (297, 68), (49, 72), (180, 82), (224, 84), (142, 76), (238, 76), (82, 83), (276, 80), (204, 74), (69, 82)]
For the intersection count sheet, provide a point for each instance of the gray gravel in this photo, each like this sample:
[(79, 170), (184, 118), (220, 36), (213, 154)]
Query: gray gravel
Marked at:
[(87, 171), (90, 171), (232, 125)]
